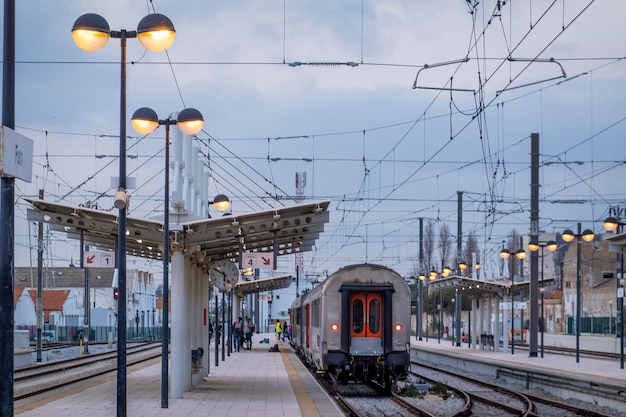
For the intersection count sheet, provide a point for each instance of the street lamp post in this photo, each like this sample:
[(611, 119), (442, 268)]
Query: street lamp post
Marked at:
[(534, 246), (569, 236), (611, 316), (145, 121), (506, 254), (156, 33), (418, 306), (614, 224)]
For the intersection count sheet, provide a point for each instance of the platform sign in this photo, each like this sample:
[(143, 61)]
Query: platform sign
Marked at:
[(258, 260), (98, 259), (16, 155)]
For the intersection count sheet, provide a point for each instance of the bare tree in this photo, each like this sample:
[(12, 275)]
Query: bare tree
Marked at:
[(471, 247), (445, 240), (513, 245), (429, 245)]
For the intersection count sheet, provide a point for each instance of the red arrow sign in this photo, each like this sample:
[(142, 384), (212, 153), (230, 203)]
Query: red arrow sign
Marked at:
[(90, 259), (266, 261)]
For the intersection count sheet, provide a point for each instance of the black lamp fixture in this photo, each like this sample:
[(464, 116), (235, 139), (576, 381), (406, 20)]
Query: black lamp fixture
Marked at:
[(569, 236), (221, 202), (613, 224), (145, 121), (91, 32), (506, 254), (534, 246)]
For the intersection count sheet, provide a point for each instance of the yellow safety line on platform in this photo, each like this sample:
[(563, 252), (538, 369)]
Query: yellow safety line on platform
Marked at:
[(307, 406)]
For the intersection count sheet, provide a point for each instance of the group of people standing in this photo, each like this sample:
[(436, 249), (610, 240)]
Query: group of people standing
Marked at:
[(283, 330), (243, 328), (242, 333)]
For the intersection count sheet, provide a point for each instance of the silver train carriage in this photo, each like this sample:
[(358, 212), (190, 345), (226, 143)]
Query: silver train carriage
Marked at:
[(355, 325)]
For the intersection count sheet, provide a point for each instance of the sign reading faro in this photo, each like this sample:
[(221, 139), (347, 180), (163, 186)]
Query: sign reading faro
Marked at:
[(16, 155)]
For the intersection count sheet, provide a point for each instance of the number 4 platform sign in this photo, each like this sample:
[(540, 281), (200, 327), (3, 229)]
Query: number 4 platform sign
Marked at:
[(258, 260), (93, 259)]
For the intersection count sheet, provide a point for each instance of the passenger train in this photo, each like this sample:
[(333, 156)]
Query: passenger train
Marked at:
[(355, 325)]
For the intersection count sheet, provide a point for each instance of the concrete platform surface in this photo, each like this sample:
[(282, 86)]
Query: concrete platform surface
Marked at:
[(253, 382)]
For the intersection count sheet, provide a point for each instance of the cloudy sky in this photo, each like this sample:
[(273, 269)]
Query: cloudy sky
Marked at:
[(395, 107)]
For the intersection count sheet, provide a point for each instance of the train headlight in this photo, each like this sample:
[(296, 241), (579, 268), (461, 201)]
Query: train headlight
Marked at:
[(397, 327), (334, 327)]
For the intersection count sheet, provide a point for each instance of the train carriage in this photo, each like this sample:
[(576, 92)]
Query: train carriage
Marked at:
[(355, 325)]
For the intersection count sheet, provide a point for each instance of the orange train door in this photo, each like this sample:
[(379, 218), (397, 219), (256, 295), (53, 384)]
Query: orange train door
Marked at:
[(366, 314)]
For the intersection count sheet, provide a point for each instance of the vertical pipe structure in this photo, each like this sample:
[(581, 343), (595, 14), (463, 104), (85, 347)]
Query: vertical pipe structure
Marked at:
[(459, 251), (620, 300), (579, 294), (166, 281), (543, 323), (418, 306), (86, 301), (121, 243), (7, 220), (216, 331), (223, 325), (512, 272), (39, 285), (534, 237)]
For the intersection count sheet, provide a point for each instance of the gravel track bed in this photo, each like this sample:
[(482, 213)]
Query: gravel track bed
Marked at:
[(543, 410)]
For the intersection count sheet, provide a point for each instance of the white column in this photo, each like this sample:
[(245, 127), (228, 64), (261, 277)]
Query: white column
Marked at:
[(474, 313), (194, 321), (481, 316), (177, 317), (176, 139), (188, 309), (204, 311), (188, 180), (195, 185)]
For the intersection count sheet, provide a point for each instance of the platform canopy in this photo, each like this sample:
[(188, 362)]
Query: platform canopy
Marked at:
[(480, 288), (266, 284), (471, 287), (283, 231)]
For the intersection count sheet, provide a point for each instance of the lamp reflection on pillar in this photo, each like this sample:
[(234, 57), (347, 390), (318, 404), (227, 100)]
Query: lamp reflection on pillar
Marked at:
[(506, 254), (145, 121), (91, 32), (615, 224), (534, 246), (569, 236)]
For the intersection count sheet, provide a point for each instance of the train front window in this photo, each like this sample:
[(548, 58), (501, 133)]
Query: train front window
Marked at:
[(374, 316), (357, 316)]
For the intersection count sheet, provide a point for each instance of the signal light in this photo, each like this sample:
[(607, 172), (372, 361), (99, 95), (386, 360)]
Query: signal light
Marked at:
[(397, 327), (116, 293), (334, 327)]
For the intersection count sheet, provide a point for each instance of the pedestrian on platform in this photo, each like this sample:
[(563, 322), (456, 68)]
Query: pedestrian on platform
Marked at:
[(237, 334), (249, 329), (289, 330), (279, 329)]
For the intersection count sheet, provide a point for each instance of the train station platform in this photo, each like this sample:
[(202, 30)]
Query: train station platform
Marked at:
[(598, 368), (248, 383)]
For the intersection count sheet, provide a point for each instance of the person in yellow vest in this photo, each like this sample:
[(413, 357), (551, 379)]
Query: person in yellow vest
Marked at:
[(279, 329)]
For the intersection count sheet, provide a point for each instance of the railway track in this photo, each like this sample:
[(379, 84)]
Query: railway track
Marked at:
[(362, 400), (42, 378), (494, 400)]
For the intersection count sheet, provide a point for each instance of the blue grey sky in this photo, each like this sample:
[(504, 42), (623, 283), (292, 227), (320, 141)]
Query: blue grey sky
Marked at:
[(383, 152)]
